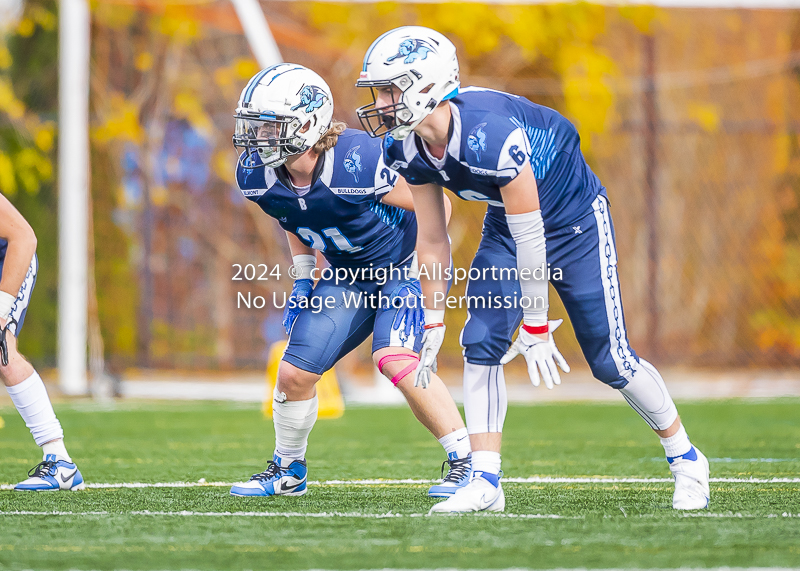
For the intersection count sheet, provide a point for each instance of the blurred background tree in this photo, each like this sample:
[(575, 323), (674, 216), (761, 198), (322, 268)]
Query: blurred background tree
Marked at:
[(28, 116)]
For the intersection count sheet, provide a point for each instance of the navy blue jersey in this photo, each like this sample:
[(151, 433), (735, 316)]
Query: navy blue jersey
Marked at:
[(342, 214), (493, 135), (3, 248)]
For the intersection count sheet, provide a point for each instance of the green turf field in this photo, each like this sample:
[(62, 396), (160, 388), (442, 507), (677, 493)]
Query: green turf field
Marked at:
[(357, 525)]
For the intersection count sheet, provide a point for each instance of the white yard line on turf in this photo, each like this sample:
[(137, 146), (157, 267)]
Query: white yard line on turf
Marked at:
[(379, 482), (388, 515)]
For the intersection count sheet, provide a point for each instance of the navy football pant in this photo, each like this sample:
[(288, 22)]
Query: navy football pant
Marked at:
[(20, 307), (320, 338), (587, 256)]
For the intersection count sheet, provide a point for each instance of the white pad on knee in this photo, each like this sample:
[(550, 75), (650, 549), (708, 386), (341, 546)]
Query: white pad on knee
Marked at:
[(648, 395), (485, 398), (30, 398), (293, 423)]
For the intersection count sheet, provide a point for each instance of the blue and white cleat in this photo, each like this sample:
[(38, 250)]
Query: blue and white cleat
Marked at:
[(691, 480), (275, 481), (483, 493), (52, 475), (457, 477)]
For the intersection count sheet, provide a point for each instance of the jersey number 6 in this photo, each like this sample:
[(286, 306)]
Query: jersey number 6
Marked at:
[(518, 156)]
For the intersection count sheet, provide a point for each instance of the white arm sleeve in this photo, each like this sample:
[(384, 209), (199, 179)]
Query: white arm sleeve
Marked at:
[(528, 233)]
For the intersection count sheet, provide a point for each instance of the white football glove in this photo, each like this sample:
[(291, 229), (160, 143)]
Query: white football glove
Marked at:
[(540, 354), (431, 343)]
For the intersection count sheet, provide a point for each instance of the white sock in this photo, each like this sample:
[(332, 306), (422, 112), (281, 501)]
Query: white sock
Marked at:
[(456, 444), (30, 398), (486, 461), (57, 448), (485, 398), (293, 422), (676, 445)]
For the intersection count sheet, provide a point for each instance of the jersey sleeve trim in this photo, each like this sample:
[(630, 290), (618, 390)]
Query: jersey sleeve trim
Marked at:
[(385, 178)]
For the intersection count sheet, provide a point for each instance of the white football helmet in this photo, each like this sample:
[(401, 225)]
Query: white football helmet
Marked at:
[(422, 64), (282, 111)]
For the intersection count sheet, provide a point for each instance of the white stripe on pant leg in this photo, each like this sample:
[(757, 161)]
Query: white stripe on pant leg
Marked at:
[(396, 336), (24, 294), (485, 398), (618, 340), (502, 397)]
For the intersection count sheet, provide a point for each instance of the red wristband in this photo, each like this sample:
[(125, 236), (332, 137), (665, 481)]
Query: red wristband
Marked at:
[(536, 330), (433, 325)]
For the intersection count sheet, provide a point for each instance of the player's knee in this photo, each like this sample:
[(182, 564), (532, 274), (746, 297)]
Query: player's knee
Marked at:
[(608, 374), (394, 363), (18, 368), (293, 380)]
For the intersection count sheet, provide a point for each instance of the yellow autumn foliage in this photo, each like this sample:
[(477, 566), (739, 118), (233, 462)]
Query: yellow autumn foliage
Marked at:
[(9, 103), (144, 61), (706, 115), (44, 136), (121, 122), (8, 182), (5, 57), (563, 34), (189, 106), (177, 23), (113, 15)]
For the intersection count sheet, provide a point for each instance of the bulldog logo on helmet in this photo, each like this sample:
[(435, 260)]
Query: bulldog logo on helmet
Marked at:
[(412, 50), (352, 162), (312, 97), (476, 142)]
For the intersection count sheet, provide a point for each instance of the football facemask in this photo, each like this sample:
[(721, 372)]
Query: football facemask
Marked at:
[(378, 121), (273, 137)]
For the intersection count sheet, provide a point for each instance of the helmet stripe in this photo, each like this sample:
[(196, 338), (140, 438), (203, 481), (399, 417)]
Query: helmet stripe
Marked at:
[(254, 82), (251, 87), (281, 73), (372, 47)]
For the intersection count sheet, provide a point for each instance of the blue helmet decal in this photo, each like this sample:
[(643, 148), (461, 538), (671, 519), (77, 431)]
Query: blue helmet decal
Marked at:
[(476, 142), (412, 50), (352, 162), (312, 97)]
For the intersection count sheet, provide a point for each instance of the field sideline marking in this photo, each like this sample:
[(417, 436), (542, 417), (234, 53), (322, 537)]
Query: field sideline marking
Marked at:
[(388, 515), (534, 480)]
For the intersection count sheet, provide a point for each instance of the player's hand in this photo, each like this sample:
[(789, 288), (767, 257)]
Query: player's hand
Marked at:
[(409, 308), (431, 343), (300, 290), (540, 354)]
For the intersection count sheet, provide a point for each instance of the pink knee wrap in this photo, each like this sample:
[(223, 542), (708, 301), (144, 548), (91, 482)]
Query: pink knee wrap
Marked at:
[(400, 357)]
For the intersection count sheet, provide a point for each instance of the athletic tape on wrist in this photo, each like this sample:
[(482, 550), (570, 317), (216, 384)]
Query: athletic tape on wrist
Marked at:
[(304, 265)]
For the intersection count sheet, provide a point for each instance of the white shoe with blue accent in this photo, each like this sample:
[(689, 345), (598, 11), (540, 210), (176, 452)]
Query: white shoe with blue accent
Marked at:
[(275, 480), (51, 475), (691, 480), (457, 476), (483, 493)]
